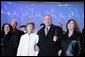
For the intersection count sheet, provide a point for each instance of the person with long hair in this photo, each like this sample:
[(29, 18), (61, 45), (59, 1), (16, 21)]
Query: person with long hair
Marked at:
[(8, 42), (70, 42)]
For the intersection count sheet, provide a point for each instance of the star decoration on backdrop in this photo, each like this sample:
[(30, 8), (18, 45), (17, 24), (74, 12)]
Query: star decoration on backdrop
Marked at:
[(59, 11)]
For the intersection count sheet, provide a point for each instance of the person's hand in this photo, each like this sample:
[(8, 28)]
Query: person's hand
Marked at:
[(59, 52), (55, 38), (36, 48)]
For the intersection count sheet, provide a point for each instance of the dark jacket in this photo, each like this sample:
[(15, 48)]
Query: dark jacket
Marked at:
[(8, 44), (82, 44), (18, 33), (71, 45), (46, 44)]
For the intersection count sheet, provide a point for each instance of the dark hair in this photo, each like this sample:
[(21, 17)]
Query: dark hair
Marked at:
[(83, 31), (11, 29), (42, 24), (32, 23), (22, 26), (76, 27)]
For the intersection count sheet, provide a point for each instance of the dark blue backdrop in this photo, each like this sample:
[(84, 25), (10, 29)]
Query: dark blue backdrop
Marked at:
[(25, 11)]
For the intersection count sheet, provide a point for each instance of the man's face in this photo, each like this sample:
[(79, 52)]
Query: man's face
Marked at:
[(13, 24), (47, 20)]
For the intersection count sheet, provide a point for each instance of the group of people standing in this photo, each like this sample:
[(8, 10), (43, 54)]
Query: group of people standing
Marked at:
[(50, 40)]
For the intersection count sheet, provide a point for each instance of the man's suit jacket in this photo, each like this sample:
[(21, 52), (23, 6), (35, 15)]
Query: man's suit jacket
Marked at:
[(46, 44)]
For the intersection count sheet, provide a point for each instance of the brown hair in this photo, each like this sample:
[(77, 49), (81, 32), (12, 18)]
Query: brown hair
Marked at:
[(76, 27)]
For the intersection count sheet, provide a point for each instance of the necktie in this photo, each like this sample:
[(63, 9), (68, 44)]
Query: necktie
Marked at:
[(46, 31)]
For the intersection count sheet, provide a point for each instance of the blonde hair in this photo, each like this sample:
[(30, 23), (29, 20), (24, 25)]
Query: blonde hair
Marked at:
[(32, 23)]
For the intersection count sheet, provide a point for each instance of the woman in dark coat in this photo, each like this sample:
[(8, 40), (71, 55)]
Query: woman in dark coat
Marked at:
[(8, 41), (71, 39)]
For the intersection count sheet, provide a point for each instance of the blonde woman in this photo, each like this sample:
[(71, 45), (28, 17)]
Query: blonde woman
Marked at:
[(28, 42)]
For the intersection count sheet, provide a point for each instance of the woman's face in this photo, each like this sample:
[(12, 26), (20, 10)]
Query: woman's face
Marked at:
[(71, 25), (30, 28), (6, 28)]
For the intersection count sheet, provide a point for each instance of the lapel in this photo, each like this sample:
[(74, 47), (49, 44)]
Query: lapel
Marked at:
[(50, 30), (43, 32)]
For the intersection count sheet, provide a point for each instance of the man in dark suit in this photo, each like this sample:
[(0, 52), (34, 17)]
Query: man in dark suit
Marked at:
[(16, 32), (49, 36)]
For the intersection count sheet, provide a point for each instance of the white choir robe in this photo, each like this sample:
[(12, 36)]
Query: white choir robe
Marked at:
[(26, 45)]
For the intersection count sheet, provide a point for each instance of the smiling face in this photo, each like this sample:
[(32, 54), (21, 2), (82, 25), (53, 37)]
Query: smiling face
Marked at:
[(6, 28), (47, 20), (13, 24), (71, 25), (30, 28)]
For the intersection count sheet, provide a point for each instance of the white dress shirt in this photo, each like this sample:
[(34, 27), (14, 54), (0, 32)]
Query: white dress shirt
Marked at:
[(47, 29)]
